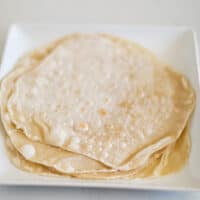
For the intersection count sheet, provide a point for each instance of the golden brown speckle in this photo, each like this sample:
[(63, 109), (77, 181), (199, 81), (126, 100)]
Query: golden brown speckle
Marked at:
[(102, 112)]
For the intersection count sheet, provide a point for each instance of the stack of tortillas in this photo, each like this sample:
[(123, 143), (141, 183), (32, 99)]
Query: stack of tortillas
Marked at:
[(96, 106)]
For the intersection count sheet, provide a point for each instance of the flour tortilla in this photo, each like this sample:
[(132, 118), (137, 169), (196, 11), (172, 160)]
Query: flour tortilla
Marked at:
[(175, 155), (161, 163), (59, 159), (63, 161), (163, 97), (55, 158), (166, 161), (173, 158), (21, 163)]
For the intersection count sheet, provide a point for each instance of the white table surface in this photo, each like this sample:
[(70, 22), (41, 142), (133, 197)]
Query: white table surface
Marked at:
[(145, 12)]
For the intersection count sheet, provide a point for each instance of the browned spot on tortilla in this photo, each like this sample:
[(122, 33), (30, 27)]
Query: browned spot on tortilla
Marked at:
[(82, 125), (125, 104), (102, 112)]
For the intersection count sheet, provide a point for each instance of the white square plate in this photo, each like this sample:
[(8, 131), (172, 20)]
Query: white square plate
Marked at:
[(174, 45)]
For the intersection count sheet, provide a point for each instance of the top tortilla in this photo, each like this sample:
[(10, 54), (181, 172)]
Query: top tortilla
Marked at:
[(108, 94)]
